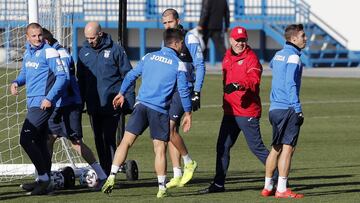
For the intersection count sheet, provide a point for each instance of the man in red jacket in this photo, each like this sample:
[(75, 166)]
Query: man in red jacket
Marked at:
[(241, 104)]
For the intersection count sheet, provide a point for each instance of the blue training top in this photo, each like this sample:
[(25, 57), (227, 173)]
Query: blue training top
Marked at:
[(43, 74), (161, 71), (286, 79), (71, 94)]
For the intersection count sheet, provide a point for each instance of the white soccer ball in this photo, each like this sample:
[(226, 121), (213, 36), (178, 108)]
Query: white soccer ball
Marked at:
[(88, 178), (57, 180)]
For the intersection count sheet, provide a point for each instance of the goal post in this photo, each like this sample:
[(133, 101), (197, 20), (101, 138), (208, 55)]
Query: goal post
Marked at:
[(56, 16)]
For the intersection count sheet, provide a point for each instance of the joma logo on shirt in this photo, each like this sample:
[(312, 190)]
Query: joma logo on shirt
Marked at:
[(161, 59), (30, 64)]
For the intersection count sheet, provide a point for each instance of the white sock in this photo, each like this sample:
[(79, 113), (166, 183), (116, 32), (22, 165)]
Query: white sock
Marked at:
[(99, 171), (177, 172), (269, 184), (161, 181), (114, 169), (281, 186), (187, 159), (44, 177)]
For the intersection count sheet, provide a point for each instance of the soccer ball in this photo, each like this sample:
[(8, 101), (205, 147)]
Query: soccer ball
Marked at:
[(88, 178), (57, 180)]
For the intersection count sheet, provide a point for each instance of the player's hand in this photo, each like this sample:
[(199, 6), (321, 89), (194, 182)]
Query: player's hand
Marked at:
[(14, 89), (108, 185), (300, 118), (45, 104), (232, 87), (186, 122), (195, 101), (118, 101)]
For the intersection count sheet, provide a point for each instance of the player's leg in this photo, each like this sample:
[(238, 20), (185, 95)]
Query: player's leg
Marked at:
[(177, 147), (71, 125), (136, 125), (277, 120), (160, 132), (289, 139), (33, 140), (160, 165), (228, 134)]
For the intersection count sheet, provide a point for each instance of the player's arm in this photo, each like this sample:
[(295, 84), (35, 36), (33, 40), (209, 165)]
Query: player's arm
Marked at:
[(292, 71), (193, 45), (124, 68), (55, 65), (128, 82), (19, 81), (184, 93)]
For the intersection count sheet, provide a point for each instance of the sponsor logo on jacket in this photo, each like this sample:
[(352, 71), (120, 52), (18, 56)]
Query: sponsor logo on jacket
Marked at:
[(279, 58), (161, 59), (31, 64)]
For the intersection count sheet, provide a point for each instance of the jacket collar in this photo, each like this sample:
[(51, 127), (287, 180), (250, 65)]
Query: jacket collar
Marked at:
[(32, 49), (296, 49), (169, 50), (229, 53), (105, 42)]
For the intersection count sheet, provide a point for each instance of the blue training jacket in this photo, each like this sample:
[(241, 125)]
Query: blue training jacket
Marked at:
[(71, 94), (160, 72), (43, 74), (192, 56), (100, 72), (192, 43), (286, 78)]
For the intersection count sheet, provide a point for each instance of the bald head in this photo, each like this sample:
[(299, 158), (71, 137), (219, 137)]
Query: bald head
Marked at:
[(93, 33)]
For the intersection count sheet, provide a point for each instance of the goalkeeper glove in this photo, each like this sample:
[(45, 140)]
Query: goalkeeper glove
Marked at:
[(195, 101), (232, 87), (300, 118)]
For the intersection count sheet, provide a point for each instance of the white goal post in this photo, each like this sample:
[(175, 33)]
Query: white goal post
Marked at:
[(56, 16)]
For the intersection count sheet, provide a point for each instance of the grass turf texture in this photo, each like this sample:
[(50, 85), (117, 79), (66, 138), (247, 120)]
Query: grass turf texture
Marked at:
[(325, 166)]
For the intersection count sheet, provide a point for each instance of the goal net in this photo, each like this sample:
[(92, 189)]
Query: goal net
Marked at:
[(57, 17)]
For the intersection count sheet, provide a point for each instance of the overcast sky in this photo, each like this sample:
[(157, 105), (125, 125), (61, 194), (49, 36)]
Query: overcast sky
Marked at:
[(343, 16)]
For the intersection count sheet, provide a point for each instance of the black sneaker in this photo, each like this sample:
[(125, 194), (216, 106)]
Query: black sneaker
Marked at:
[(212, 189), (41, 188), (28, 186)]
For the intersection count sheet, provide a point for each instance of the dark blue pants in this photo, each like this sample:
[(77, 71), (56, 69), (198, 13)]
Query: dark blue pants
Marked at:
[(33, 138), (230, 129), (104, 127)]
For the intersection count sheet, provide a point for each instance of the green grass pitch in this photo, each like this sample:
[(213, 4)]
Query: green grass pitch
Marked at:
[(325, 166)]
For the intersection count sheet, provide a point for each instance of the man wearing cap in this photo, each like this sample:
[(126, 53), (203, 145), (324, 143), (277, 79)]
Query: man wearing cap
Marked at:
[(241, 104)]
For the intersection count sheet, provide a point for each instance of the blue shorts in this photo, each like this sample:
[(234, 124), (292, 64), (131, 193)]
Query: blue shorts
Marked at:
[(285, 126), (176, 110), (143, 116), (66, 122)]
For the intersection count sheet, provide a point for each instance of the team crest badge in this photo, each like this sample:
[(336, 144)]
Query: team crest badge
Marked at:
[(106, 53), (240, 62), (37, 53)]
